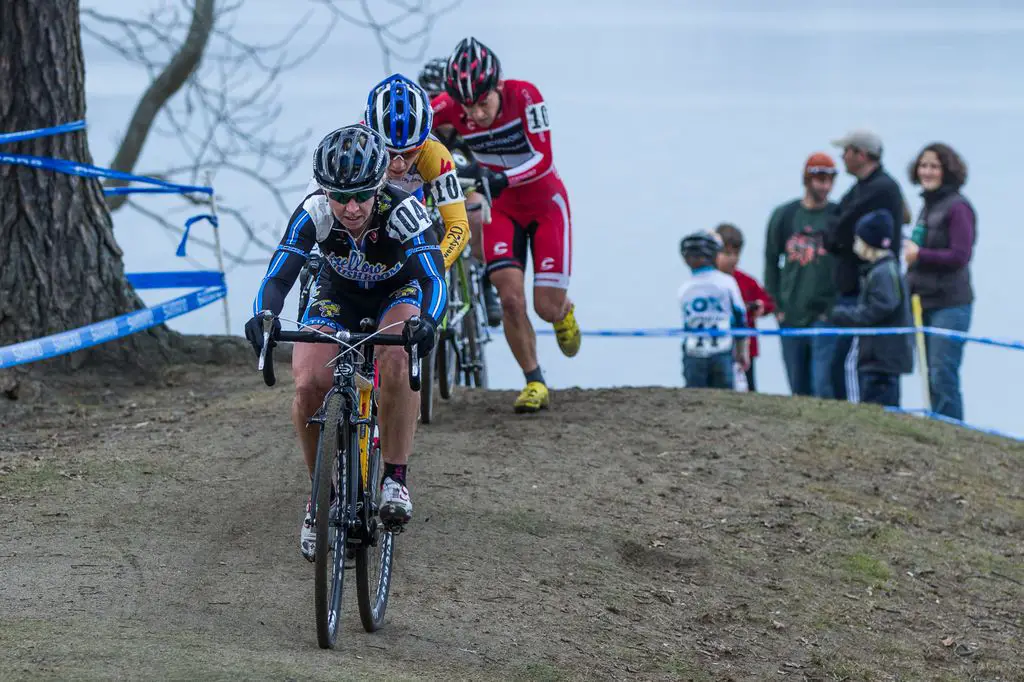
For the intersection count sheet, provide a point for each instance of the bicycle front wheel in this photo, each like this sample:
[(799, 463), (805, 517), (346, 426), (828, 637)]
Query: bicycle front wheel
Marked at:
[(374, 559), (331, 522), (428, 365), (447, 363)]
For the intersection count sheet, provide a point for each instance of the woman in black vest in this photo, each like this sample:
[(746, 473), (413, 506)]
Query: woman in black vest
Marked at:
[(938, 255)]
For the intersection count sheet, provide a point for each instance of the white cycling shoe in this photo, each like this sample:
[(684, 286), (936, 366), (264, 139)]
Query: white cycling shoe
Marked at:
[(395, 503)]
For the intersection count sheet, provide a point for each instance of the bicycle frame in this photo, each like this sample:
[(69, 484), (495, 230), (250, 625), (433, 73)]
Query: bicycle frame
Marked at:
[(351, 382)]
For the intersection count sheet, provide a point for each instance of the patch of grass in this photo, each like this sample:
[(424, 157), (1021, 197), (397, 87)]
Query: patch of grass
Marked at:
[(540, 672), (524, 521), (30, 477), (836, 667), (841, 494), (886, 536), (682, 669), (47, 474), (866, 568)]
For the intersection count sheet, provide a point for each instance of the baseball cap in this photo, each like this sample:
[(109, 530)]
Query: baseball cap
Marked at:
[(818, 163), (862, 139)]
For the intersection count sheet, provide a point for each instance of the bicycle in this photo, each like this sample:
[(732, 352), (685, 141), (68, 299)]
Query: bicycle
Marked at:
[(349, 465), (458, 357)]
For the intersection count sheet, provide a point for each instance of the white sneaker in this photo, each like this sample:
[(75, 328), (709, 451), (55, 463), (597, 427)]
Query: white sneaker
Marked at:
[(395, 503), (307, 535)]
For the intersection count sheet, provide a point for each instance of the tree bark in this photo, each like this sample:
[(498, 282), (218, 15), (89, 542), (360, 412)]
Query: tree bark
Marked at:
[(61, 266)]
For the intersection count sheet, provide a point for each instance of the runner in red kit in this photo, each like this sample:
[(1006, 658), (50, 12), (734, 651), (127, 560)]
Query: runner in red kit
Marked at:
[(505, 124)]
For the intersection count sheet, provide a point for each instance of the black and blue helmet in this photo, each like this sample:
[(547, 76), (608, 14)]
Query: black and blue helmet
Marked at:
[(432, 76), (351, 159)]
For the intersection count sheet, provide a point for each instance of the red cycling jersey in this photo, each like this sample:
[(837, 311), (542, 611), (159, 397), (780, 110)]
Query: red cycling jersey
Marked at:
[(533, 213), (518, 142)]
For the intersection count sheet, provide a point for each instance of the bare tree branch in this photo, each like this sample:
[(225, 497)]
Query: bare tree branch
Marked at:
[(217, 94), (163, 87)]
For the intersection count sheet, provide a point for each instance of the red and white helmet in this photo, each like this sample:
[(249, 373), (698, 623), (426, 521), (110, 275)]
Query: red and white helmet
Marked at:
[(473, 71)]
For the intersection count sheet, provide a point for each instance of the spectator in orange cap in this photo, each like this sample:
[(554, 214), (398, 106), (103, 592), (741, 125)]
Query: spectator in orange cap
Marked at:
[(799, 275)]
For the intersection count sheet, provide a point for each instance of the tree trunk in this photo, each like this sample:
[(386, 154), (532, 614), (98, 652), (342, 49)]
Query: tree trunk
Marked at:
[(61, 267)]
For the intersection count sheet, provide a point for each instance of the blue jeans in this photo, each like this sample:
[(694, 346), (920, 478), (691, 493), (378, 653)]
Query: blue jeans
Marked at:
[(808, 362), (944, 358), (714, 371)]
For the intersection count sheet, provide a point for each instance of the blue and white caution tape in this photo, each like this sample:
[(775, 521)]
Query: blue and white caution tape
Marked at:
[(212, 219), (42, 132), (955, 422), (670, 332), (88, 170), (108, 330), (189, 279), (213, 285)]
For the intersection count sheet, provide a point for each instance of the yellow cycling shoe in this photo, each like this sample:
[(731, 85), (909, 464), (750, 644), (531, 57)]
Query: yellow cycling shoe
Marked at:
[(567, 333), (533, 398)]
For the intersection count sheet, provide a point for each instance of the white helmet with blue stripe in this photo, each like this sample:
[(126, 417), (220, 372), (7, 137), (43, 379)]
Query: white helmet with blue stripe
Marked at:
[(399, 110)]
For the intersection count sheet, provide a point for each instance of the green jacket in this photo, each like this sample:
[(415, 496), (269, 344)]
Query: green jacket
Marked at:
[(798, 271)]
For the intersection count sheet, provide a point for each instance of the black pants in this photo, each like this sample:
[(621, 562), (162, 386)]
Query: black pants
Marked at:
[(750, 378), (879, 388)]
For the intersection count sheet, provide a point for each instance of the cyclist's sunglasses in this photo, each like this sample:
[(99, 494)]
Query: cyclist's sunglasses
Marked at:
[(409, 155), (345, 197)]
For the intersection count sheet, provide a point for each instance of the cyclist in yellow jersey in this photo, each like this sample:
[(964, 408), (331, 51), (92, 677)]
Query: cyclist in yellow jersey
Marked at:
[(400, 111)]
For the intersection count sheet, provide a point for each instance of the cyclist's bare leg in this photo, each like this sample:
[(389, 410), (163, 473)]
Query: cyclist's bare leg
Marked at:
[(551, 303), (312, 381), (398, 405), (518, 330)]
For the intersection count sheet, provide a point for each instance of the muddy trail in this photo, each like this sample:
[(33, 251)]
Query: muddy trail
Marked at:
[(152, 532)]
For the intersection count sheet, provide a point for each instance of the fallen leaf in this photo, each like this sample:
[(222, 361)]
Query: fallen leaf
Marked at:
[(949, 641), (777, 625)]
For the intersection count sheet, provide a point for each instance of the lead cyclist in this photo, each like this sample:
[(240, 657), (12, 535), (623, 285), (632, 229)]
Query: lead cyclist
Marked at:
[(382, 262)]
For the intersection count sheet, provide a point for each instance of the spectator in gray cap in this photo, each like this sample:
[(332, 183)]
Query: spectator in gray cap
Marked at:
[(874, 190)]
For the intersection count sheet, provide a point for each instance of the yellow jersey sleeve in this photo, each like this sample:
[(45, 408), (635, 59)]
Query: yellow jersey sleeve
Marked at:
[(436, 167)]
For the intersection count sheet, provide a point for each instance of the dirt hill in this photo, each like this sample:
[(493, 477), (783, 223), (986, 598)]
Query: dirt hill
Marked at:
[(625, 534)]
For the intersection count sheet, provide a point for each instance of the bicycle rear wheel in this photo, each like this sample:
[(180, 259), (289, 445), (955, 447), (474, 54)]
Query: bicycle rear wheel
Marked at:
[(476, 369), (331, 528), (375, 557)]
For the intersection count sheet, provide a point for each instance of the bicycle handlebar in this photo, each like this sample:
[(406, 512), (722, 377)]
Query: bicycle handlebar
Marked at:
[(266, 361)]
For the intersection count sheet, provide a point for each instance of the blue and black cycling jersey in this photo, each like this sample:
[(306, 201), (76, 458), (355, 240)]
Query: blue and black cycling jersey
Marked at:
[(397, 249)]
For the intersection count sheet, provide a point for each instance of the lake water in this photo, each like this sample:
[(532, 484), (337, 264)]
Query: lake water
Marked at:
[(669, 116)]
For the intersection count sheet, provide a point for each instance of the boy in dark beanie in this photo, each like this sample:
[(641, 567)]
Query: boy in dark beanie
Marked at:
[(883, 302)]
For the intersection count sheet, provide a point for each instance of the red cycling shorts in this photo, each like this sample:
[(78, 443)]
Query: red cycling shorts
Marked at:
[(535, 219)]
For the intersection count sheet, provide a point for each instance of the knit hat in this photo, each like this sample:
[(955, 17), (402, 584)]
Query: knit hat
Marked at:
[(818, 163), (876, 229)]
